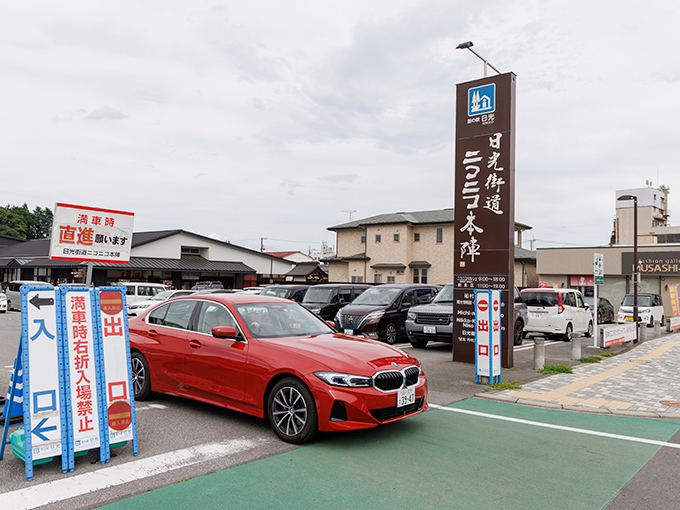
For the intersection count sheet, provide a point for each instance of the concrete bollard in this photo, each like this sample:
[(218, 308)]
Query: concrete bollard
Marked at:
[(657, 329), (576, 347), (539, 352), (643, 332)]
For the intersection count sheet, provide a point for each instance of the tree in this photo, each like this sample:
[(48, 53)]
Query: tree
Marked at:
[(19, 221)]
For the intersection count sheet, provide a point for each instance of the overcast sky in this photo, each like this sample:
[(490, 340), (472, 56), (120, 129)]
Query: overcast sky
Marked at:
[(271, 119)]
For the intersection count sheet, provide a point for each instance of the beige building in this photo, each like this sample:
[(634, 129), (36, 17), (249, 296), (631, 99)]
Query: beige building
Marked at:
[(408, 247), (658, 253)]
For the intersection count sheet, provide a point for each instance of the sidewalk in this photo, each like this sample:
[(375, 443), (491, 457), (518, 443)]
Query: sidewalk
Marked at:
[(642, 381)]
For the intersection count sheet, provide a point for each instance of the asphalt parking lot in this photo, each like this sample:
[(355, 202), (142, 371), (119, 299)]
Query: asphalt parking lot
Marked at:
[(181, 439)]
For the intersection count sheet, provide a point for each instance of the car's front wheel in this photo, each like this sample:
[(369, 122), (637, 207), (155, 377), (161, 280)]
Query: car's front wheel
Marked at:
[(391, 333), (568, 333), (519, 332), (141, 378), (292, 412)]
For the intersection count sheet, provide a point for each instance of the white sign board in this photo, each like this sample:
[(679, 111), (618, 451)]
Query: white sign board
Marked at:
[(81, 370), (41, 375), (618, 334), (91, 234)]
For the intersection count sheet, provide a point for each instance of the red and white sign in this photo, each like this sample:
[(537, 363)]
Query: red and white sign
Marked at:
[(82, 370), (487, 333), (582, 281), (91, 234), (116, 374)]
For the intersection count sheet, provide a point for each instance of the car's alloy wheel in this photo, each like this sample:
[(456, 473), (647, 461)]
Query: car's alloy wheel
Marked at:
[(292, 411), (141, 381), (568, 333), (391, 333), (519, 332)]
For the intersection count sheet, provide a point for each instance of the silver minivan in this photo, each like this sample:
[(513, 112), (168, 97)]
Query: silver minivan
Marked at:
[(13, 292), (141, 291), (557, 312)]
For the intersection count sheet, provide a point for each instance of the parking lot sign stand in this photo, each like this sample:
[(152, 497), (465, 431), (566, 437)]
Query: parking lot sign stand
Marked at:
[(487, 336), (69, 385)]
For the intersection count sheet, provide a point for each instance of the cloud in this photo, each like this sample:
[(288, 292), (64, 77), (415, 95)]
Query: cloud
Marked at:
[(348, 178), (106, 113)]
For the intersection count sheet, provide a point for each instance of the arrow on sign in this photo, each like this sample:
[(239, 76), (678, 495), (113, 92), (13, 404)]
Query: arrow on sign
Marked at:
[(39, 430), (37, 301)]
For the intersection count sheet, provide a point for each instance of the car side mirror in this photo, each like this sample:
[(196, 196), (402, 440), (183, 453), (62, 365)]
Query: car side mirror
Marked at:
[(405, 305), (331, 324), (224, 332)]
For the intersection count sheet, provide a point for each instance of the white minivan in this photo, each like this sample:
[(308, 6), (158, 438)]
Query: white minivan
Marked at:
[(141, 291), (557, 312), (13, 292)]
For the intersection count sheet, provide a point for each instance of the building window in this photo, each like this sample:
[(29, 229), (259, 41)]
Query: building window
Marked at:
[(400, 271), (357, 279), (416, 237), (396, 238), (423, 275), (440, 235), (390, 279), (377, 238), (377, 278), (363, 239), (416, 275)]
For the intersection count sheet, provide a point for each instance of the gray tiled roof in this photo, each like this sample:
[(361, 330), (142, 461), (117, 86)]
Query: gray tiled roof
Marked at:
[(413, 218)]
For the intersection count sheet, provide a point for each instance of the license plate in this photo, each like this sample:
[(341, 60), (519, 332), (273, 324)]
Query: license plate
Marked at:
[(406, 396), (349, 332), (629, 319), (432, 330), (538, 315)]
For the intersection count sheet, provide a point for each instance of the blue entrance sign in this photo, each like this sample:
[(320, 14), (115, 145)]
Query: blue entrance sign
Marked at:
[(482, 99)]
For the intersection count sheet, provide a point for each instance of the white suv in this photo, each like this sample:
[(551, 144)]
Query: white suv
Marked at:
[(559, 312), (141, 291), (650, 309)]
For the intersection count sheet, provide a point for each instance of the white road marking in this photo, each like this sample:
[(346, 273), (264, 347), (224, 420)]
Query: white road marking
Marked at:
[(556, 427), (150, 406), (60, 490), (531, 346)]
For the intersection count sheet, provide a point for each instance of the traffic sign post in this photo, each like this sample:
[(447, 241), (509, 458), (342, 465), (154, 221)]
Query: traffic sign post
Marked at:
[(487, 336), (74, 357)]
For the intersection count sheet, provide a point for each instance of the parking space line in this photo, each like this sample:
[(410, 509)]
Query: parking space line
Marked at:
[(557, 427), (66, 488)]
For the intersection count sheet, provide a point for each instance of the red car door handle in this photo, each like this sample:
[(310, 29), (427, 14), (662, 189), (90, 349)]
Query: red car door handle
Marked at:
[(152, 333), (195, 344)]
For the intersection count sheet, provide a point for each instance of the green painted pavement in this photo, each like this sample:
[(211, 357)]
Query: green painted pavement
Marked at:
[(439, 459)]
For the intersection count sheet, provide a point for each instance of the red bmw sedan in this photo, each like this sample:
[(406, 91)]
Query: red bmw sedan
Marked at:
[(272, 358)]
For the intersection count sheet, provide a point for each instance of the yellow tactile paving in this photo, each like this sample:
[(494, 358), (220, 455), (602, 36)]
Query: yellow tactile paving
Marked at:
[(561, 395)]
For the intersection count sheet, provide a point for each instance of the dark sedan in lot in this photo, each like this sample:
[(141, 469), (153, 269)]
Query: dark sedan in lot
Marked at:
[(272, 358)]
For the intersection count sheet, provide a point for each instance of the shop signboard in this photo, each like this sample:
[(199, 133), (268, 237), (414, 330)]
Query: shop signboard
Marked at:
[(485, 207), (660, 263)]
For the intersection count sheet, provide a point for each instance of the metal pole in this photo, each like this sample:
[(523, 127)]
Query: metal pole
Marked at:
[(88, 280), (636, 274)]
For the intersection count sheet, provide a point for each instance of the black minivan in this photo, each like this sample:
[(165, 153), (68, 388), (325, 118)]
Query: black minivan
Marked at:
[(380, 312), (326, 299)]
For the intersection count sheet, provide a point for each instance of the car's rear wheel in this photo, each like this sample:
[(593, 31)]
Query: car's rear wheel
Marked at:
[(141, 378), (589, 333), (292, 412), (519, 332), (568, 333), (391, 333)]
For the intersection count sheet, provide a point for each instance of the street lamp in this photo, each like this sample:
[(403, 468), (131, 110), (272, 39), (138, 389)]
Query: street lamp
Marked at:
[(636, 275), (468, 46)]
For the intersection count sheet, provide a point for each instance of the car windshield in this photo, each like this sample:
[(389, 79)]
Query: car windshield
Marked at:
[(378, 296), (275, 291), (590, 301), (162, 296), (318, 295), (276, 320), (445, 295), (629, 299), (540, 298)]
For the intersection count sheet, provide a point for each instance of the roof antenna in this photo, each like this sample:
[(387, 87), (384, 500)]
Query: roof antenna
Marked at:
[(350, 214)]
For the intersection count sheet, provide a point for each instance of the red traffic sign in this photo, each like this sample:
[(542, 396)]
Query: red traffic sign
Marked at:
[(483, 305), (120, 415)]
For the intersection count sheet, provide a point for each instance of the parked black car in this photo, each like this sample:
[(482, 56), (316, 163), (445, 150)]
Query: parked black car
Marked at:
[(380, 312), (287, 291), (605, 310), (326, 299)]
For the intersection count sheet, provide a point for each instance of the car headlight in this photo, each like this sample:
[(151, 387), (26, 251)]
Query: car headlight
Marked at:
[(315, 309), (338, 318), (144, 305), (644, 310), (375, 315), (345, 380), (411, 316)]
